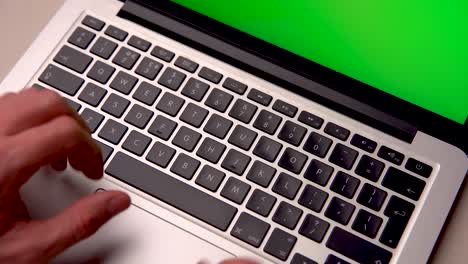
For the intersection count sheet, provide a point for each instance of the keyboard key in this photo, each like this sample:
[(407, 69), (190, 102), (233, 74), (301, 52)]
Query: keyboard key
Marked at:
[(92, 119), (292, 160), (160, 154), (261, 202), (364, 143), (345, 184), (267, 122), (195, 89), (92, 94), (103, 48), (235, 190), (211, 150), (116, 33), (259, 97), (170, 104), (148, 68), (236, 162), (367, 223), (139, 43), (210, 75), (136, 143), (339, 211), (138, 116), (147, 93), (343, 156), (194, 115), (267, 149), (310, 119), (73, 105), (234, 86), (369, 168), (285, 108), (162, 54), (115, 105), (372, 197), (61, 80), (314, 228), (280, 244), (313, 198), (391, 155), (210, 178), (126, 58), (101, 72), (218, 126), (318, 172), (242, 137), (172, 79), (287, 186), (73, 59), (418, 167), (399, 212), (331, 259), (186, 138), (250, 229), (81, 37), (300, 259), (243, 111), (261, 174), (317, 144), (287, 215), (185, 166), (218, 100), (123, 82), (172, 191), (403, 183), (105, 150), (337, 131), (357, 248), (162, 127), (186, 64), (93, 22), (113, 131), (292, 133)]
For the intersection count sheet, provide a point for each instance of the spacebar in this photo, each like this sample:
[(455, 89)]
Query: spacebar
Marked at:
[(172, 191)]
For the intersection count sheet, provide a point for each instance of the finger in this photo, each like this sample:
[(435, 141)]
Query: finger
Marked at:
[(239, 261), (60, 164)]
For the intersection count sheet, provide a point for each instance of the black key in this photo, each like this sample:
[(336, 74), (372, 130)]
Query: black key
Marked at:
[(267, 149), (116, 33), (105, 150), (343, 156), (39, 87), (139, 116), (146, 93), (113, 131), (235, 190), (300, 259), (194, 115), (286, 186), (73, 105), (243, 111), (162, 54), (93, 22), (218, 100), (148, 68), (285, 108), (392, 233), (136, 143), (357, 248), (314, 228), (139, 43), (73, 59), (211, 150), (172, 191), (115, 105), (313, 198), (364, 143), (292, 160), (418, 167), (261, 174), (92, 119), (391, 155), (61, 80), (318, 172), (92, 94), (287, 215), (210, 75), (372, 197), (367, 223), (186, 138), (292, 133), (250, 229), (162, 127), (236, 162), (267, 122), (160, 154), (242, 137), (101, 72), (103, 48), (331, 259), (339, 211), (345, 184), (172, 79), (259, 97), (126, 58), (261, 202), (369, 168), (170, 104), (399, 212), (310, 119), (81, 37), (210, 178), (195, 89), (317, 144), (234, 86), (403, 183), (123, 82), (280, 244), (186, 64), (218, 126), (336, 131), (185, 166)]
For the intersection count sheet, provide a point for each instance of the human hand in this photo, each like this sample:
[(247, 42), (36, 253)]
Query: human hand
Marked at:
[(38, 128)]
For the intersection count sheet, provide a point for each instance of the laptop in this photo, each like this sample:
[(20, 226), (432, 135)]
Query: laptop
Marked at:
[(286, 132)]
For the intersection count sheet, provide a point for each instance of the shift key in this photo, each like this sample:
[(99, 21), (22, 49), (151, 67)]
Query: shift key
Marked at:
[(61, 80)]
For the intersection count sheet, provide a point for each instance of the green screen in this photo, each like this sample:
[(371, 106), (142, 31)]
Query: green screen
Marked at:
[(416, 50)]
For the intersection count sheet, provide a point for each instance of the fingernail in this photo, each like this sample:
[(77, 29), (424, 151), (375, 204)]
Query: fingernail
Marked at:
[(118, 203)]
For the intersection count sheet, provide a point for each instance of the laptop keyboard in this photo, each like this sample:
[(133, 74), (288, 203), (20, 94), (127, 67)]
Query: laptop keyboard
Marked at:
[(270, 161)]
